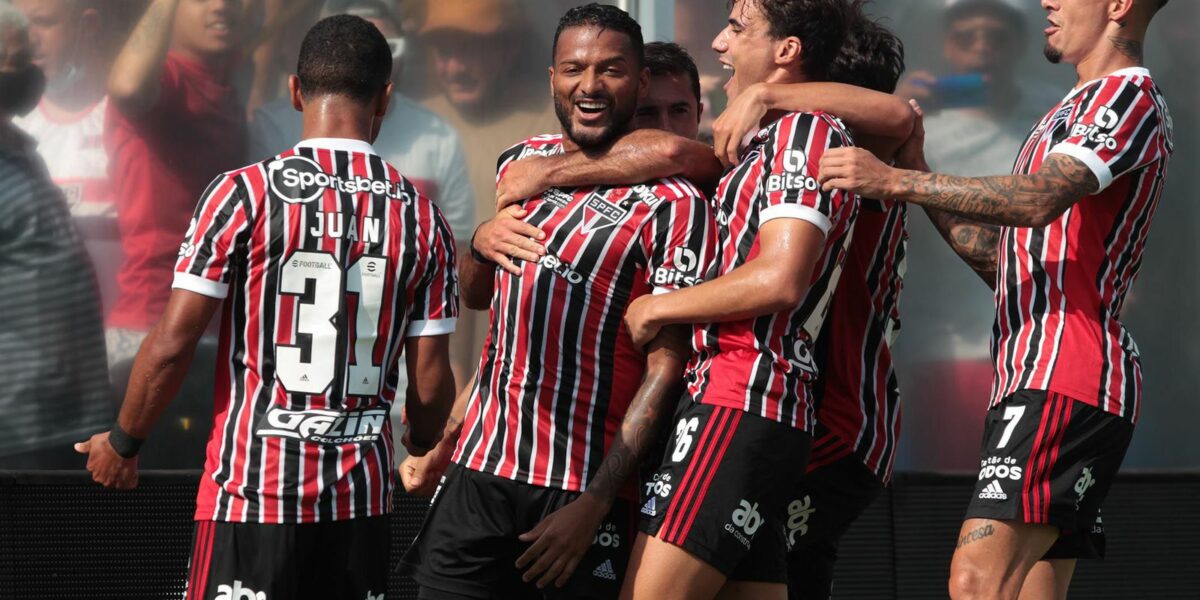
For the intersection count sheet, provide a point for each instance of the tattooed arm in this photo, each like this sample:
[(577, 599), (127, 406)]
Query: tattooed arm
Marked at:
[(133, 83), (559, 542), (1034, 200)]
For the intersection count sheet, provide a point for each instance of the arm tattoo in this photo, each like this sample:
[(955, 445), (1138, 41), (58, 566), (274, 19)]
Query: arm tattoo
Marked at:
[(641, 425), (975, 243), (1130, 48), (1012, 200), (975, 535)]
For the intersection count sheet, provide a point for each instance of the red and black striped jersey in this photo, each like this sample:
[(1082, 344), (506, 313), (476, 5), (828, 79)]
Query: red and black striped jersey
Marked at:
[(1060, 288), (765, 365), (328, 259), (858, 397), (559, 369)]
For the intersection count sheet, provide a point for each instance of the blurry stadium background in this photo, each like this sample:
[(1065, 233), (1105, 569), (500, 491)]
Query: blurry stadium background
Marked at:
[(473, 77)]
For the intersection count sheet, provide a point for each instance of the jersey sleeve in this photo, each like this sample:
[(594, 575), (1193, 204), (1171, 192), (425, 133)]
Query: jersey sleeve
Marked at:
[(681, 241), (215, 236), (1120, 129), (434, 306), (790, 169)]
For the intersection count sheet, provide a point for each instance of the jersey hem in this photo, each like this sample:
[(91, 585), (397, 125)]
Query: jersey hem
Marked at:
[(200, 285), (432, 327)]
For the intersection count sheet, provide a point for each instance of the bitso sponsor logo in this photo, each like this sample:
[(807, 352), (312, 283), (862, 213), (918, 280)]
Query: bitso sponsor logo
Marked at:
[(993, 491), (794, 177), (238, 592), (324, 426), (685, 261), (999, 468), (794, 161), (799, 511), (297, 179)]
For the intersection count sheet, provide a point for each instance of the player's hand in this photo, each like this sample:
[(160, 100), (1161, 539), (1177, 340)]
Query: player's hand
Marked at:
[(911, 155), (639, 320), (420, 475), (505, 237), (108, 468), (522, 180), (560, 540), (740, 118), (856, 170), (917, 85)]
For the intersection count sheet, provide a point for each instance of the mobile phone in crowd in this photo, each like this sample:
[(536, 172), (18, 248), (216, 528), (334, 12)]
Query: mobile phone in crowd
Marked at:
[(960, 91)]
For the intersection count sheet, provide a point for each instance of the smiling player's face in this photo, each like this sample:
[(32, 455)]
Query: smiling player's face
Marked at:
[(597, 83)]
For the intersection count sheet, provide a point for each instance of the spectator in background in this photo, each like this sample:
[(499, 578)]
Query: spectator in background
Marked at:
[(55, 386), (173, 124), (68, 124), (489, 93), (977, 119)]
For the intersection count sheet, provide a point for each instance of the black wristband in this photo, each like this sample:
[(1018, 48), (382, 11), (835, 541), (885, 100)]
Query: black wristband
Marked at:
[(125, 445), (479, 258)]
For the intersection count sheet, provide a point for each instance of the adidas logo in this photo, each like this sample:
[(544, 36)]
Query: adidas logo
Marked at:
[(993, 491), (605, 571), (648, 508)]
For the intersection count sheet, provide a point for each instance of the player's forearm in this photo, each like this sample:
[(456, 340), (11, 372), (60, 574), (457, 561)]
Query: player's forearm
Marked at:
[(133, 82), (975, 243), (476, 280), (754, 289), (864, 111), (431, 401), (638, 156), (158, 372), (648, 411), (1034, 200)]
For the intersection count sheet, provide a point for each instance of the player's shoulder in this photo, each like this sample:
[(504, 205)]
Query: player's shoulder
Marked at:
[(668, 189), (799, 128), (539, 145)]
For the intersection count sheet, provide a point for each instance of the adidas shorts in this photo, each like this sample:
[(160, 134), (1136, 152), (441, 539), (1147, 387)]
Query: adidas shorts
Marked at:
[(1049, 459), (253, 561), (831, 497), (468, 546), (721, 489)]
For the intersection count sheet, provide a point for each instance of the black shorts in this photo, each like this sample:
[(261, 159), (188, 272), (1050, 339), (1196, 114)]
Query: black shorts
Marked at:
[(830, 499), (722, 487), (250, 561), (1050, 460), (468, 546)]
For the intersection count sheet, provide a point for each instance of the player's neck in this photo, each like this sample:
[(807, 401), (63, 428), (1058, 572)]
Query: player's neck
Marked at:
[(1113, 53), (336, 117)]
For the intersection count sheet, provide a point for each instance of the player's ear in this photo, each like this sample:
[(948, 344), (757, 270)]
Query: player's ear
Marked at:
[(788, 51), (699, 111), (294, 93), (385, 101), (1120, 11), (643, 84)]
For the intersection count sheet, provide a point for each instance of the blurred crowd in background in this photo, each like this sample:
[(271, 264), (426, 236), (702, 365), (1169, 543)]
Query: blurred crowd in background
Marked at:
[(144, 103)]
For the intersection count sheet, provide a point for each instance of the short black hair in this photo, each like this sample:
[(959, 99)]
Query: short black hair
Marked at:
[(669, 58), (344, 55), (820, 25), (602, 16), (872, 57)]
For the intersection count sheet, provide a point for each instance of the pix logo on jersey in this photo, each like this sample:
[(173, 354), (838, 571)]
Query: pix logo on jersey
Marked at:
[(324, 426), (298, 180)]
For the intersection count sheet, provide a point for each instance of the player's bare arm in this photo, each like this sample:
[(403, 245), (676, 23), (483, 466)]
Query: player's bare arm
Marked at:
[(975, 243), (430, 391), (133, 83), (1034, 200), (420, 474), (885, 119), (774, 280), (560, 540), (161, 364), (640, 155)]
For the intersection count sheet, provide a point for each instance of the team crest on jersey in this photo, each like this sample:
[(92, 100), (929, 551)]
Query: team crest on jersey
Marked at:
[(298, 179), (328, 427), (599, 214)]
